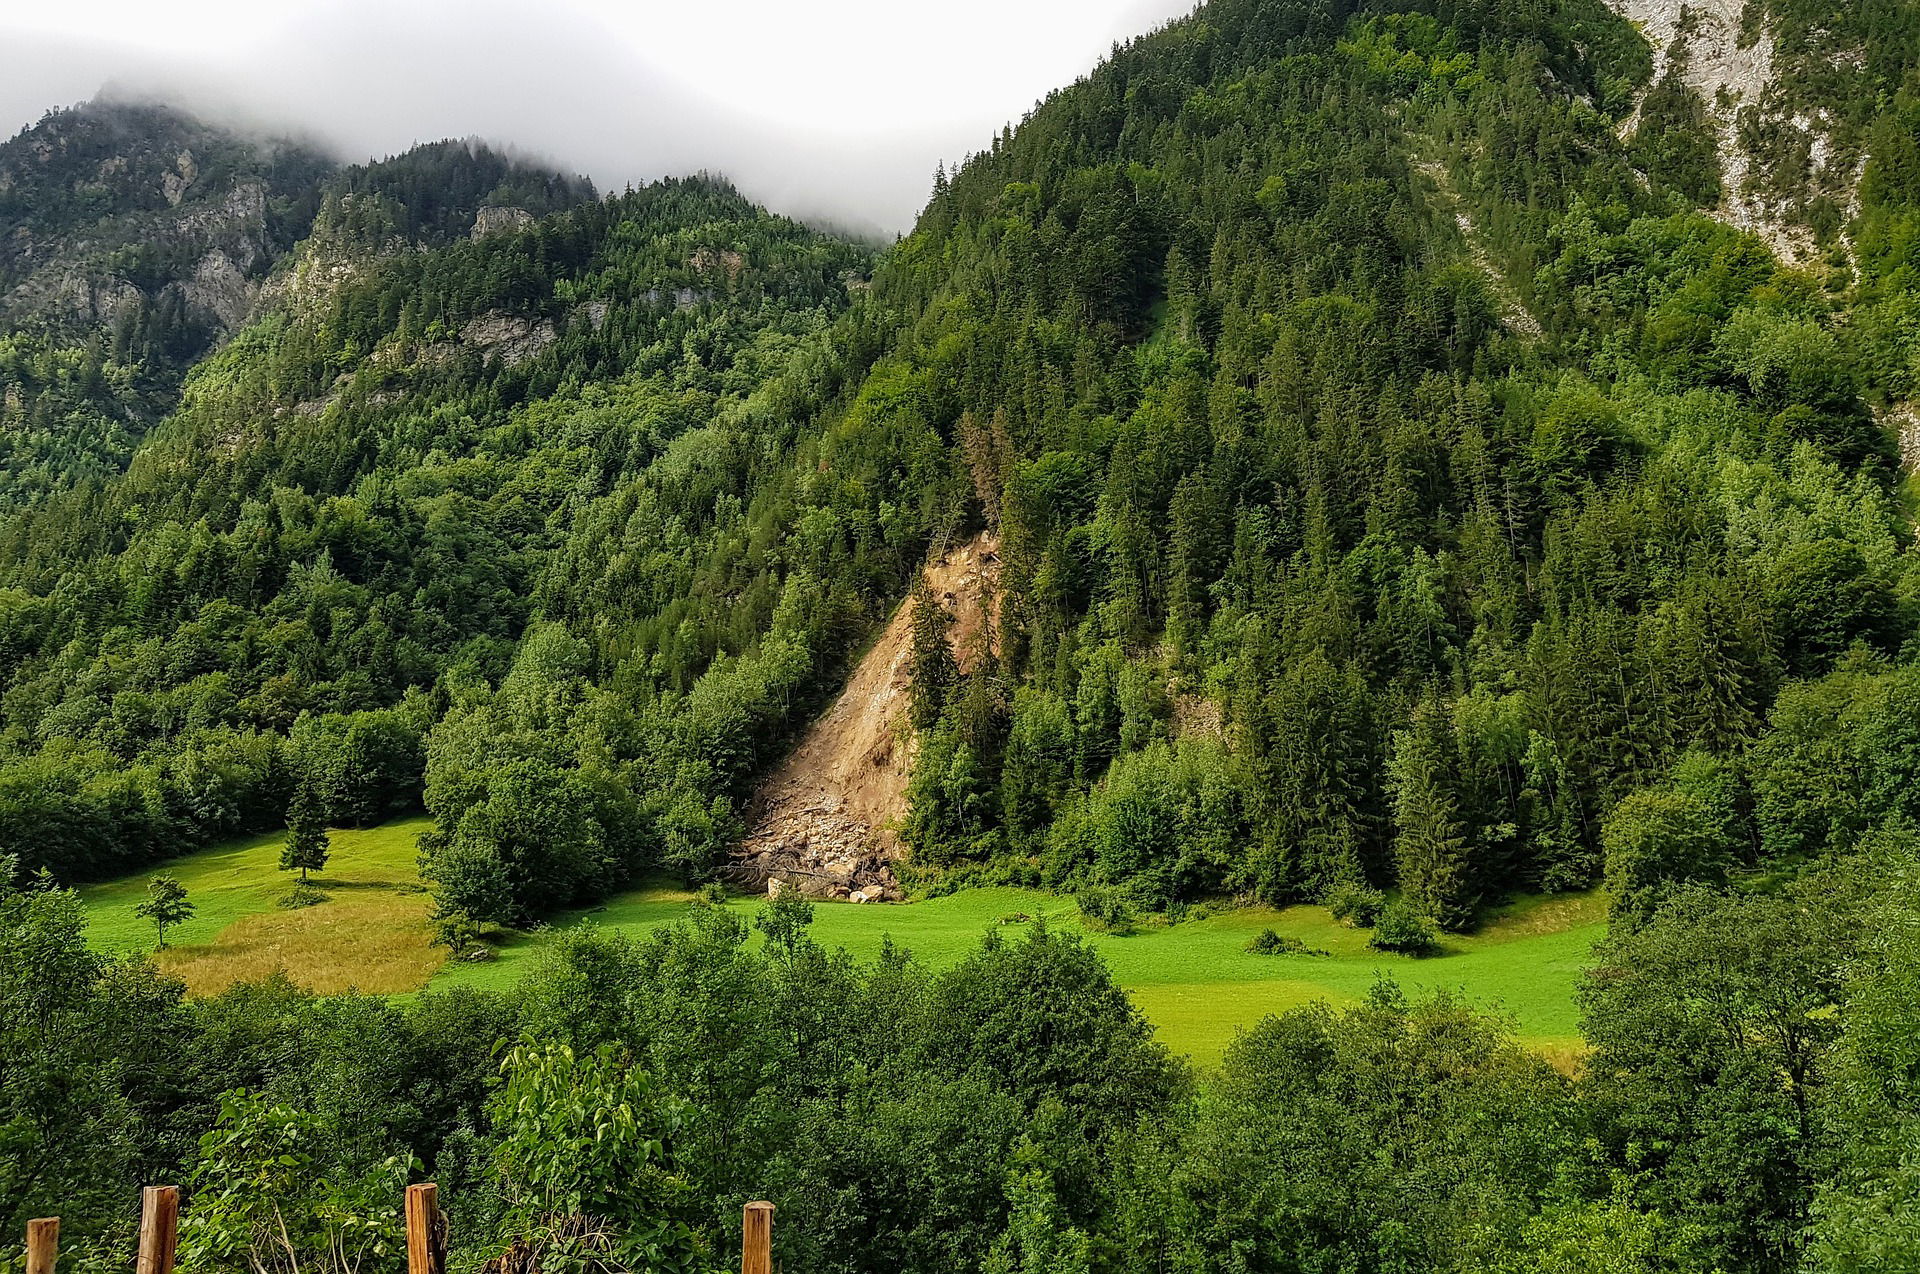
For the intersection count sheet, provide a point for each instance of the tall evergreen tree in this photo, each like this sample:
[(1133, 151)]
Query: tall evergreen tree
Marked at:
[(931, 667), (307, 844), (1430, 846)]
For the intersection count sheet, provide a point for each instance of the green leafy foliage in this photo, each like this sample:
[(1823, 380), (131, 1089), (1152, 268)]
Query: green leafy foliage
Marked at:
[(1404, 928), (1402, 488), (167, 905), (263, 1199)]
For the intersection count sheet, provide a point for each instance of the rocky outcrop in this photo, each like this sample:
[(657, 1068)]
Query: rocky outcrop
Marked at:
[(682, 298), (507, 337), (1903, 421), (219, 288), (490, 221), (75, 282), (1724, 51), (719, 259)]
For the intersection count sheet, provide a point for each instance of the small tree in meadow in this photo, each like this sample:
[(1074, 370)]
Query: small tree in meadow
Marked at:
[(1404, 928), (167, 905), (307, 844)]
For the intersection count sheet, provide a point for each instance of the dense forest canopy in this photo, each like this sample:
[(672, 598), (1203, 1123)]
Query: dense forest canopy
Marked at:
[(1402, 480)]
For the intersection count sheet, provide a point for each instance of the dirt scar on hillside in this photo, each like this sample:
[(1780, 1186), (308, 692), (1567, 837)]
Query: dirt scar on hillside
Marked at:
[(825, 820)]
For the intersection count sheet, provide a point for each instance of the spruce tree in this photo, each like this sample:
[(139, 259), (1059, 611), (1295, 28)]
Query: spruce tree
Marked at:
[(1431, 847), (306, 845), (931, 665)]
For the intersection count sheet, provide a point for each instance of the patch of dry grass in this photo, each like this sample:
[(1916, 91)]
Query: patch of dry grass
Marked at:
[(370, 934), (367, 938), (1532, 915)]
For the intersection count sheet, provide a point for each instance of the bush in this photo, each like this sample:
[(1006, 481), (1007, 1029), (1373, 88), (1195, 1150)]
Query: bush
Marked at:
[(1267, 942), (1106, 910), (459, 933), (1403, 928), (1355, 904), (301, 896)]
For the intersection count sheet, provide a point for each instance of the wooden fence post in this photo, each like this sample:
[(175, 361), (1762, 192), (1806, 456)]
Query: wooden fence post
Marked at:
[(756, 1238), (43, 1244), (159, 1229), (426, 1240)]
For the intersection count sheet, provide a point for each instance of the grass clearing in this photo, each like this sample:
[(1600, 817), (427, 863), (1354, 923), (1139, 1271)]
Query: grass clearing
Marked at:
[(370, 934), (1195, 981)]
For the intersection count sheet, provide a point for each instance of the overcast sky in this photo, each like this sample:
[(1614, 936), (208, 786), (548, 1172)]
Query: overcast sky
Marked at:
[(835, 109)]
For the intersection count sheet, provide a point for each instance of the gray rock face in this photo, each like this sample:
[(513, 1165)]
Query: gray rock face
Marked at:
[(173, 185), (219, 288), (488, 221), (225, 238), (511, 339), (1731, 65)]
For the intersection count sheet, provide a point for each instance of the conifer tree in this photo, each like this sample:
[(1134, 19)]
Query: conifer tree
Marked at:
[(1431, 847), (307, 844), (931, 665)]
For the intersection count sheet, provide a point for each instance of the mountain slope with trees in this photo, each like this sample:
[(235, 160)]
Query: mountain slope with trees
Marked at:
[(563, 529), (1404, 477)]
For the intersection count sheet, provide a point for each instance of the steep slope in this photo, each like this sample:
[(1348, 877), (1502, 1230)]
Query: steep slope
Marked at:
[(132, 239), (1787, 92), (1232, 346), (135, 239), (146, 224), (826, 819), (1231, 341), (372, 495)]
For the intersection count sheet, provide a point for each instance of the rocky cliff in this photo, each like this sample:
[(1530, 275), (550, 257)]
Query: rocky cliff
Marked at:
[(1788, 169), (113, 211)]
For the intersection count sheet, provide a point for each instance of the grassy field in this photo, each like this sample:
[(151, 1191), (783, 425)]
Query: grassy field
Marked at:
[(371, 934), (1195, 980)]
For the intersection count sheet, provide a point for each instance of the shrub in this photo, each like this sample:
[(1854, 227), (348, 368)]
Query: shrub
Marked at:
[(1106, 910), (301, 896), (1355, 904), (1403, 928), (264, 1198), (1267, 942), (459, 933)]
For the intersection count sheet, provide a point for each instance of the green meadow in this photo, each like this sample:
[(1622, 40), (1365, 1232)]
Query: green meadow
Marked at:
[(1194, 980), (370, 934)]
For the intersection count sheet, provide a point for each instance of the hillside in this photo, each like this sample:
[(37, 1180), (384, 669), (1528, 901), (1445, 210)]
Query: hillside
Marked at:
[(1358, 396), (826, 819), (1432, 453), (135, 239)]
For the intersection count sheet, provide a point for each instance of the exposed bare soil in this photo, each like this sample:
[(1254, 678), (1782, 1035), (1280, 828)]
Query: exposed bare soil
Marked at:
[(825, 820)]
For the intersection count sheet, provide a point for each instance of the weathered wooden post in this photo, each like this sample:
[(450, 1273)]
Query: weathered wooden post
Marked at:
[(426, 1241), (159, 1229), (43, 1244), (756, 1238)]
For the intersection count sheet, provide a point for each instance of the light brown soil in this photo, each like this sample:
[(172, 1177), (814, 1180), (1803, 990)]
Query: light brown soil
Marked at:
[(824, 821)]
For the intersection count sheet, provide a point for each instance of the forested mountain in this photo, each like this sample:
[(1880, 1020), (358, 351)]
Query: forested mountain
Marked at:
[(134, 238), (1395, 472), (1450, 448)]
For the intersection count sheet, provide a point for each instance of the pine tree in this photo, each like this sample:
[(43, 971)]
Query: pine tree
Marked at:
[(306, 845), (1431, 847), (931, 665)]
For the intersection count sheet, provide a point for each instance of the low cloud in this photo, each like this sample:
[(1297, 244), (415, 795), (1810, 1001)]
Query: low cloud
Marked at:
[(846, 130)]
